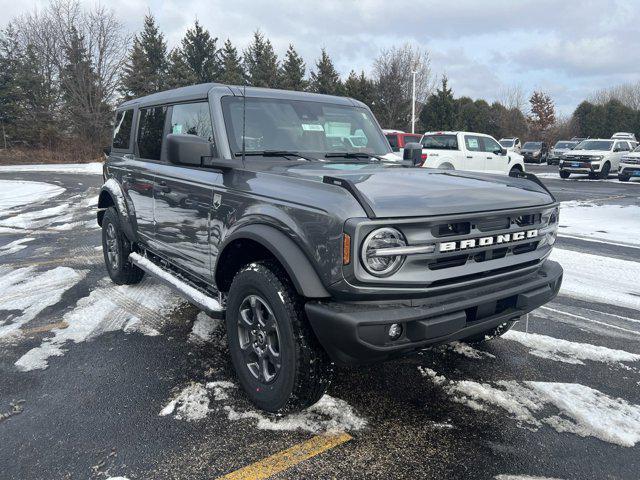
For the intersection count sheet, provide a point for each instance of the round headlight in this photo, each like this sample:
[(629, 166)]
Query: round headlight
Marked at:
[(382, 265)]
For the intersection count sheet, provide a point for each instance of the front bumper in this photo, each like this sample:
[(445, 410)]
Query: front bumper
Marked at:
[(357, 332), (580, 167), (629, 170)]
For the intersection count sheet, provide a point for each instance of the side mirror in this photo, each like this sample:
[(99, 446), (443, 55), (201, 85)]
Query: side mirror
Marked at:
[(188, 149), (502, 151), (107, 150), (413, 154), (617, 149)]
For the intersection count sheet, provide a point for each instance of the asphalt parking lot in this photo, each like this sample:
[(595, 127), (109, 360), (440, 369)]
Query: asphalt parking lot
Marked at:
[(99, 381)]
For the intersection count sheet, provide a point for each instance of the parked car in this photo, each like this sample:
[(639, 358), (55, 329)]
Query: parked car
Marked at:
[(624, 136), (536, 152), (317, 253), (559, 149), (397, 140), (629, 165), (475, 152), (511, 144), (595, 157)]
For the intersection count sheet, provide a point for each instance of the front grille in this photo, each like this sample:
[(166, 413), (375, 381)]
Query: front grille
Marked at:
[(631, 161)]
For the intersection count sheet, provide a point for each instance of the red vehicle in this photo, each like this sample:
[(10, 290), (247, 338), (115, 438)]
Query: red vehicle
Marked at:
[(398, 140)]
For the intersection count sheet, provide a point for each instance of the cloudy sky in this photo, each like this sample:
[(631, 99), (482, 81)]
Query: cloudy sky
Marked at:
[(567, 48)]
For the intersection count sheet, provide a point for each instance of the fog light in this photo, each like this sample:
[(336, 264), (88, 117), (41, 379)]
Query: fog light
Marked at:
[(395, 330)]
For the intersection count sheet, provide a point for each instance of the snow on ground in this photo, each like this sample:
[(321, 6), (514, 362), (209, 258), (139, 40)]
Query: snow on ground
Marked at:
[(568, 352), (29, 292), (327, 416), (18, 193), (107, 308), (38, 218), (618, 224), (599, 279), (94, 168), (467, 350), (576, 408), (15, 246), (203, 328)]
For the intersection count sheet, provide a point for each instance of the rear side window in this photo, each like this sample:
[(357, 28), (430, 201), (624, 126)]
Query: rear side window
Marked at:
[(192, 119), (411, 139), (440, 142), (150, 130), (122, 129)]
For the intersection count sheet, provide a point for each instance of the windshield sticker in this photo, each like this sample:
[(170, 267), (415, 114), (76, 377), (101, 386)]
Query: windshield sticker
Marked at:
[(473, 143), (312, 127), (177, 129)]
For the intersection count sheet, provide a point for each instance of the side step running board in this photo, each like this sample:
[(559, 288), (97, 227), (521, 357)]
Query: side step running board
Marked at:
[(198, 298)]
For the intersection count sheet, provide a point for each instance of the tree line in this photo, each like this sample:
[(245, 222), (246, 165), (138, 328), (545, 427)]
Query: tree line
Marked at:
[(64, 69)]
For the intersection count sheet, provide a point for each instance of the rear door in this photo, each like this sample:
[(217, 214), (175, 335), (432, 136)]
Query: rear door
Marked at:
[(495, 162), (474, 159), (184, 197)]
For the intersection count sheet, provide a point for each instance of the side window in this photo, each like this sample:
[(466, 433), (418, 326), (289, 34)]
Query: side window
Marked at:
[(624, 146), (192, 119), (472, 143), (411, 139), (150, 130), (393, 142), (122, 129), (490, 145)]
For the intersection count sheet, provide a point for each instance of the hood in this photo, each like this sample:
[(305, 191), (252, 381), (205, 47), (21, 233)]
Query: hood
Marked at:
[(589, 153), (416, 192)]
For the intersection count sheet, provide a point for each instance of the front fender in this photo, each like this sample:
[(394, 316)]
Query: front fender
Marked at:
[(297, 265)]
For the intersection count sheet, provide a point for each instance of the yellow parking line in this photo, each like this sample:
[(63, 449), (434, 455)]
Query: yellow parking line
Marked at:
[(278, 462)]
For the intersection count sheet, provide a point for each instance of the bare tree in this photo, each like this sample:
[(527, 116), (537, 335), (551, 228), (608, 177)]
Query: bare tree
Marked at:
[(628, 94), (513, 97), (392, 74)]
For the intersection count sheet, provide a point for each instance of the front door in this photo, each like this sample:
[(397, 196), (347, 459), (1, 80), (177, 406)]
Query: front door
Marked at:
[(495, 162), (184, 198)]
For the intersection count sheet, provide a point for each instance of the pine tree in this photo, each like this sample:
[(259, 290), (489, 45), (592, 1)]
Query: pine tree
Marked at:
[(261, 63), (360, 87), (325, 78), (201, 54), (146, 68), (292, 71), (231, 65), (10, 109), (179, 73), (439, 111)]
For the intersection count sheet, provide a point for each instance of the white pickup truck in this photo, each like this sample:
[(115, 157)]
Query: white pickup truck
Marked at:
[(475, 152)]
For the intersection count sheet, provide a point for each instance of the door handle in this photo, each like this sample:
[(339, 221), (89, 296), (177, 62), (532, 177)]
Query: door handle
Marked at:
[(469, 156), (489, 158)]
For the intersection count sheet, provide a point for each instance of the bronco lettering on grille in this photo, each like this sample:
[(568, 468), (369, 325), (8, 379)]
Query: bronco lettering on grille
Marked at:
[(486, 241)]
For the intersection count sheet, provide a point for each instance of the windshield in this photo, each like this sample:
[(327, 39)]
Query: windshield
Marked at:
[(301, 126), (565, 145), (507, 143), (532, 145), (594, 145), (440, 142)]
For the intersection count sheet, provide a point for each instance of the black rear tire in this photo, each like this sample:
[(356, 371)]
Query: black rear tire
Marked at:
[(490, 334), (116, 249), (305, 370), (564, 174), (623, 178)]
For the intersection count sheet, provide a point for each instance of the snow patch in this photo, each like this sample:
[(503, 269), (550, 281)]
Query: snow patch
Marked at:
[(568, 352), (94, 168), (38, 218), (114, 187), (203, 328), (18, 193), (15, 246), (30, 292), (597, 278), (107, 308), (468, 351), (192, 403), (580, 410)]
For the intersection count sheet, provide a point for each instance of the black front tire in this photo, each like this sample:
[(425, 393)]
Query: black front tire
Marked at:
[(623, 178), (490, 334), (564, 174), (116, 249), (604, 173), (304, 370)]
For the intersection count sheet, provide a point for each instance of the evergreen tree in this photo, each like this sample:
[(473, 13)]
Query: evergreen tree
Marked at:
[(325, 78), (231, 65), (179, 73), (439, 111), (292, 71), (361, 88), (261, 63), (201, 54), (146, 67), (10, 111)]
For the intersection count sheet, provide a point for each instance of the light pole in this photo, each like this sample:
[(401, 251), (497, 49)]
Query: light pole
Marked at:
[(413, 102)]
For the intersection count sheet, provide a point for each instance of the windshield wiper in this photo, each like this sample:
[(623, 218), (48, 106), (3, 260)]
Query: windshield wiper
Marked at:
[(353, 155), (276, 153)]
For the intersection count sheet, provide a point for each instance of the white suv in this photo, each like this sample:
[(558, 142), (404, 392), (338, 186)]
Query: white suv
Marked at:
[(629, 166), (595, 157)]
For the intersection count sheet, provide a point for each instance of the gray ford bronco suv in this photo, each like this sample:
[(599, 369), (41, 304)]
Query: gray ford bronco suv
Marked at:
[(287, 214)]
